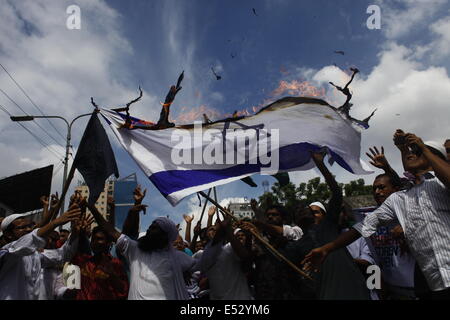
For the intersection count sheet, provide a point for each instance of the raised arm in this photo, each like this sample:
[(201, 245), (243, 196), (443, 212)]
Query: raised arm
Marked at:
[(259, 215), (188, 219), (273, 230), (131, 223), (211, 212), (335, 203), (48, 208), (400, 143), (378, 160), (71, 215), (197, 230), (440, 167)]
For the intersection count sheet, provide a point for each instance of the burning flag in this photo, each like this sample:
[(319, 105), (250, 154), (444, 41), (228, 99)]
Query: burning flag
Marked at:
[(186, 159)]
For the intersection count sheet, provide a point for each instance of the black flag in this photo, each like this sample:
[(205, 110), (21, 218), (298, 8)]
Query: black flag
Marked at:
[(95, 158)]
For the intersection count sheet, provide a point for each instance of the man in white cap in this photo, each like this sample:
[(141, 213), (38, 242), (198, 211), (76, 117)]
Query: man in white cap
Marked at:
[(340, 278), (423, 211), (319, 211), (22, 262)]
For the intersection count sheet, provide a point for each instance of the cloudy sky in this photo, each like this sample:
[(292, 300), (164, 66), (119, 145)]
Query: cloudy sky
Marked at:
[(286, 48)]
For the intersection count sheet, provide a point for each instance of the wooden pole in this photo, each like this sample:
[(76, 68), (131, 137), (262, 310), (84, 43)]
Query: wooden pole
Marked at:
[(204, 206), (261, 239), (215, 198)]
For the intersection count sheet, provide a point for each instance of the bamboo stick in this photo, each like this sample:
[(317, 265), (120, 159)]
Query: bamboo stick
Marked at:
[(261, 239)]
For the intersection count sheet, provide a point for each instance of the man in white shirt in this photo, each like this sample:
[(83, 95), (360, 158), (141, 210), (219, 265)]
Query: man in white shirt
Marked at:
[(423, 212), (223, 264), (20, 276), (156, 268)]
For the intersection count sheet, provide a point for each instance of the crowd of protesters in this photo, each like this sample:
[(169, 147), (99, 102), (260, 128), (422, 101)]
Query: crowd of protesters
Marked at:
[(407, 236)]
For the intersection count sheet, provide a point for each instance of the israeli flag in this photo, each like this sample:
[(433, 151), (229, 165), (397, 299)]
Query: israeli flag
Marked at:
[(186, 159)]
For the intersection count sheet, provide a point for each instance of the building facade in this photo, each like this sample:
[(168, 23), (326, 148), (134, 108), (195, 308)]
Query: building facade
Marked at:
[(241, 210)]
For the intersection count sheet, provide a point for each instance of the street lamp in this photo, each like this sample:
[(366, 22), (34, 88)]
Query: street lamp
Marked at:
[(68, 138)]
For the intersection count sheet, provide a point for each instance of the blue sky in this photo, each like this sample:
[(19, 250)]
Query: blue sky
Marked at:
[(124, 44)]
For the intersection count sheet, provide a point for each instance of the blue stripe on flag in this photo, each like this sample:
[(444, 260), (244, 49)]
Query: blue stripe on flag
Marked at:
[(292, 156)]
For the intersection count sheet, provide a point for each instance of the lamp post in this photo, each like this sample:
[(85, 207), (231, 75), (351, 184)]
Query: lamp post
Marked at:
[(68, 138)]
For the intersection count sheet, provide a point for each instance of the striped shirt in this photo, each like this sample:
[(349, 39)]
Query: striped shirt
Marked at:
[(424, 214)]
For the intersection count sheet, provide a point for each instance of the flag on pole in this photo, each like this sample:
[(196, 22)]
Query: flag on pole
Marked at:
[(95, 158), (280, 138)]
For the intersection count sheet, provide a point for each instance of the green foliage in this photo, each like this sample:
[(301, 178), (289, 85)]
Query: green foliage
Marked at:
[(292, 197)]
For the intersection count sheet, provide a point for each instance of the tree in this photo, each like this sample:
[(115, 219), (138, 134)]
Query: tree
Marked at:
[(357, 188), (293, 198)]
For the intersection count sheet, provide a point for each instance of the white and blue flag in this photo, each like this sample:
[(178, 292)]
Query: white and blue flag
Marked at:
[(186, 159)]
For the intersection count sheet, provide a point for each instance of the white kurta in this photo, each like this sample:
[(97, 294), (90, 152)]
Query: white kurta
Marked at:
[(222, 266), (20, 273), (151, 274), (20, 276)]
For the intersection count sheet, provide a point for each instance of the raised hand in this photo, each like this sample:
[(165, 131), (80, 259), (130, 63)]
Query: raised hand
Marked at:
[(44, 201), (85, 223), (378, 158), (139, 208), (399, 138), (254, 204), (188, 218), (72, 214), (198, 228), (211, 211), (54, 200), (138, 195), (248, 226), (411, 139)]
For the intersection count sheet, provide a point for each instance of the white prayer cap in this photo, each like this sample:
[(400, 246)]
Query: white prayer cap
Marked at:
[(319, 204), (237, 230), (9, 219), (438, 146), (141, 234)]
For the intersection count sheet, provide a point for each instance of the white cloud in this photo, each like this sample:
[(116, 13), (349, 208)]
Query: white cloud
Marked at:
[(401, 17), (60, 69), (407, 94), (440, 47)]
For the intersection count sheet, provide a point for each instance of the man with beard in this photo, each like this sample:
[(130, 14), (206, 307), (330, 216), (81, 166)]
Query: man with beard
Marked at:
[(156, 267), (423, 211), (340, 278)]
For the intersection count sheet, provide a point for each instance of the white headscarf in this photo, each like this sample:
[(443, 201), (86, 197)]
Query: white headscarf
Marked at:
[(170, 228)]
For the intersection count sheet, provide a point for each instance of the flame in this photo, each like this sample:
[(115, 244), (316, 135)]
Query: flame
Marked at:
[(196, 113), (297, 88)]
